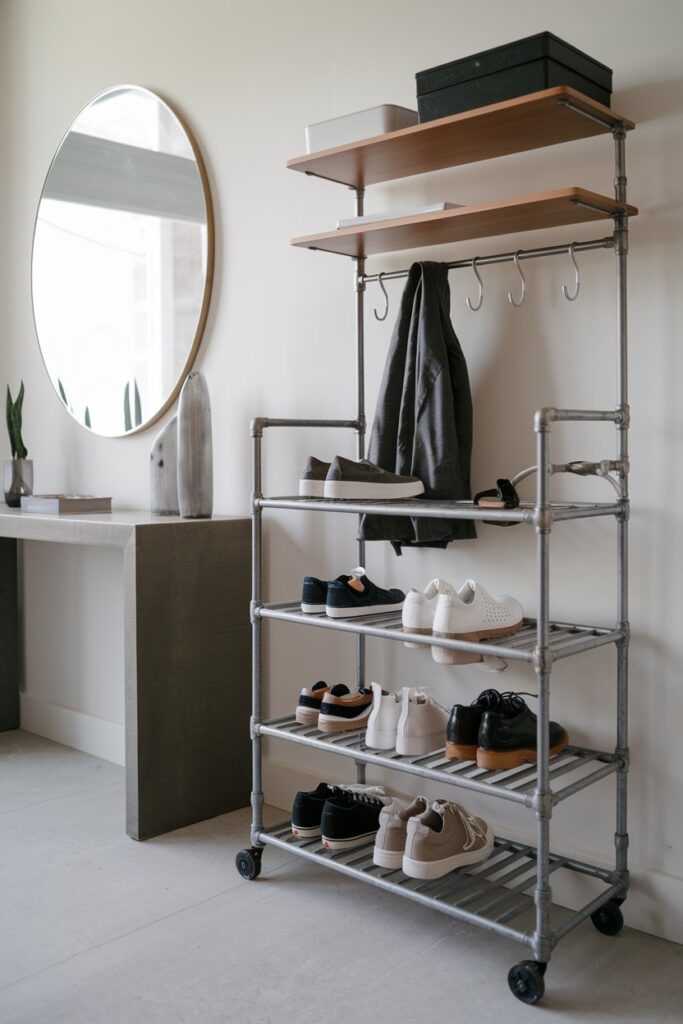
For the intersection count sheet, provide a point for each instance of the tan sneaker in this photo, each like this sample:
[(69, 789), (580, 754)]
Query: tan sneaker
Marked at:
[(445, 837), (391, 839)]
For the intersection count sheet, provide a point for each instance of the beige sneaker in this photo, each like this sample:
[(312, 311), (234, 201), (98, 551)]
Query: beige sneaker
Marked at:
[(445, 837), (391, 838)]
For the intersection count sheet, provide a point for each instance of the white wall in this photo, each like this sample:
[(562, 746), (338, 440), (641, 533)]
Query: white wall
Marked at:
[(279, 341)]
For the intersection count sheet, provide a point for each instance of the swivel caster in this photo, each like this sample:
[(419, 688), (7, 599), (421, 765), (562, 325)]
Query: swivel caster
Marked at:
[(248, 862), (525, 980), (608, 919)]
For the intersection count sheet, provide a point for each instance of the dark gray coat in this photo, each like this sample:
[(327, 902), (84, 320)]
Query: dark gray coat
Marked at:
[(423, 422)]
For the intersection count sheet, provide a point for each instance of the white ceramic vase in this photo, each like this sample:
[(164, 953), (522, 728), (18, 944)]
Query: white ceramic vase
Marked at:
[(195, 454)]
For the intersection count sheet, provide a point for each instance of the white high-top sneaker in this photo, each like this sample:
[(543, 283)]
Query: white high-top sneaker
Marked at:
[(383, 720), (419, 606), (422, 724), (473, 615)]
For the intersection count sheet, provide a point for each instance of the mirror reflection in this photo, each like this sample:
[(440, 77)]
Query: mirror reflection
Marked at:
[(122, 259)]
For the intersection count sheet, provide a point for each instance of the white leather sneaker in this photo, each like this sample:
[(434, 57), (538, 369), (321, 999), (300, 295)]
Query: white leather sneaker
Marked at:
[(419, 606), (383, 720), (422, 724), (472, 614)]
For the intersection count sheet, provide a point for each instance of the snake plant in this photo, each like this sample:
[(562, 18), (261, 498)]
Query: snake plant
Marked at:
[(13, 412)]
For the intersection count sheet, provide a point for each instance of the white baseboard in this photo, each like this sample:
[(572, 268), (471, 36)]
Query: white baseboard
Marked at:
[(655, 900), (74, 729)]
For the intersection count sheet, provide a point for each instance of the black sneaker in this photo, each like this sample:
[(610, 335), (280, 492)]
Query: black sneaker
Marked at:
[(507, 736), (308, 806), (352, 818), (462, 732), (341, 710), (310, 699), (314, 594), (353, 595)]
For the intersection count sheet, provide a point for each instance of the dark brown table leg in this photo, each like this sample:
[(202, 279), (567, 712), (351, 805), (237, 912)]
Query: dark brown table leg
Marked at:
[(9, 636)]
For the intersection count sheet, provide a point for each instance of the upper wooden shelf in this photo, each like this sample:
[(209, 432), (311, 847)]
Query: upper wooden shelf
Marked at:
[(523, 213), (528, 122)]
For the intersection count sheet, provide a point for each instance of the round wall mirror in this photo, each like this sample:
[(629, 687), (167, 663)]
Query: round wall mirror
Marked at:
[(122, 261)]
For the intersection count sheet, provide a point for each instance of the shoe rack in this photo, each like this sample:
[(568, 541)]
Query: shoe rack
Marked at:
[(500, 893)]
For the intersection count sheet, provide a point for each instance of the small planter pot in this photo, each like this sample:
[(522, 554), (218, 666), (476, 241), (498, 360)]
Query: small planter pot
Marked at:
[(17, 479)]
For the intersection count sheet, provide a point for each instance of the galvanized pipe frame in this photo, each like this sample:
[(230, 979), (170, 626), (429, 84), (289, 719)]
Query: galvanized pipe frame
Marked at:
[(543, 939)]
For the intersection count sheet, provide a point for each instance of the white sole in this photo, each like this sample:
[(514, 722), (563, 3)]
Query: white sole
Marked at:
[(437, 868), (351, 613), (412, 746), (306, 833), (347, 844), (311, 488), (350, 490), (380, 739), (388, 858), (312, 609), (306, 716)]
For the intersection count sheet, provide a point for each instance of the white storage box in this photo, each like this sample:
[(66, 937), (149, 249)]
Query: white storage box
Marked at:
[(362, 125)]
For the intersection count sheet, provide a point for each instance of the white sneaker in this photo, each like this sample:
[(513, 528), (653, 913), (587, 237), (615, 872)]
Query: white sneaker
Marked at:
[(390, 841), (383, 720), (422, 724), (473, 615), (418, 608)]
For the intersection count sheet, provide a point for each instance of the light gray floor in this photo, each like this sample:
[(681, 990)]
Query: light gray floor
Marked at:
[(98, 929)]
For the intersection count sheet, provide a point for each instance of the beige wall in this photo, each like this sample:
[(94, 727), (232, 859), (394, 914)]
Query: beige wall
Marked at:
[(279, 341)]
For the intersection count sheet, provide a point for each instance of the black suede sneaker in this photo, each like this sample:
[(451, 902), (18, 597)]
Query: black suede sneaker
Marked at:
[(308, 806), (342, 710), (507, 736), (352, 819), (462, 731), (354, 595), (314, 594)]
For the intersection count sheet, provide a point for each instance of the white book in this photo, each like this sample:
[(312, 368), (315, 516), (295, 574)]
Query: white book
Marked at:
[(62, 504), (369, 218)]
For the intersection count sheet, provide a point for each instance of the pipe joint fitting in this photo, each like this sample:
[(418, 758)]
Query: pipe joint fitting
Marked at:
[(543, 660), (254, 611), (542, 803), (543, 418), (257, 426), (543, 520)]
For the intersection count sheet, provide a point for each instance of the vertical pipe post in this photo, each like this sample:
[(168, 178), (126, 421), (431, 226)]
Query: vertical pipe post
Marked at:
[(542, 664), (621, 252), (256, 625), (359, 287)]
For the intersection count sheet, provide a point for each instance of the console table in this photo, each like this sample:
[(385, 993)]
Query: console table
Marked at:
[(187, 655)]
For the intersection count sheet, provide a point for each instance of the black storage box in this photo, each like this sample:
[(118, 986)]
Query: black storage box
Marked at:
[(515, 69)]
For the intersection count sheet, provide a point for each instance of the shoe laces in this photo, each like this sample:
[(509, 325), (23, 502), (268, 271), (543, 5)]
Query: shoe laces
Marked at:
[(511, 701), (489, 698), (418, 691), (473, 829)]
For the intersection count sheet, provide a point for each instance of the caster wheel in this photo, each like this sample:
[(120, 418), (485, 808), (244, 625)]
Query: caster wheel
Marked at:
[(248, 863), (526, 981), (608, 919)]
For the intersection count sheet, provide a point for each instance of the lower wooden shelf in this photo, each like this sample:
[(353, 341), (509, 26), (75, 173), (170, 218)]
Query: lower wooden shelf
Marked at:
[(522, 213)]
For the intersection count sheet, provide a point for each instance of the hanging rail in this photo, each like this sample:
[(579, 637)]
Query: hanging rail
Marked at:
[(504, 257)]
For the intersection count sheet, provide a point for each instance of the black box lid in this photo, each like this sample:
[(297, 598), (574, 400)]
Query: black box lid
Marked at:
[(536, 47)]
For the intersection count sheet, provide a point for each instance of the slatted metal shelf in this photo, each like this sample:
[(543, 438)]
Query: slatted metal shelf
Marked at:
[(564, 638), (491, 894), (570, 771), (429, 508)]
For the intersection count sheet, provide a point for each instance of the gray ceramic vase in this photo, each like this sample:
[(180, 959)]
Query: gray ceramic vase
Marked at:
[(195, 454), (163, 471), (17, 480)]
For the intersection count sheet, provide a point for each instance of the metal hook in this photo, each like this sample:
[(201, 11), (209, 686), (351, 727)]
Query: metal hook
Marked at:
[(386, 299), (471, 305), (521, 274), (565, 291)]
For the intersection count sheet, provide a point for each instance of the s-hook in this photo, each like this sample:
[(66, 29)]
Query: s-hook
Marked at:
[(521, 274), (577, 284), (471, 305), (386, 299)]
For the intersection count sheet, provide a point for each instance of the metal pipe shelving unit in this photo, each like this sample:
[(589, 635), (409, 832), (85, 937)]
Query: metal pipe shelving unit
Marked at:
[(510, 892)]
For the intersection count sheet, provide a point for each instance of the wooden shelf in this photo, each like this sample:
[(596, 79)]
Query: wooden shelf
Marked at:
[(503, 217), (528, 122)]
